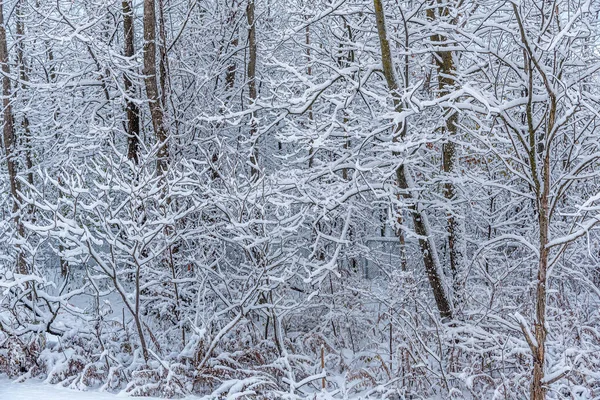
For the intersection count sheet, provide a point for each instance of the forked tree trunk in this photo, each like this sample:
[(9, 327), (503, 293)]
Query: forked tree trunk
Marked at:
[(421, 224), (541, 181), (133, 112)]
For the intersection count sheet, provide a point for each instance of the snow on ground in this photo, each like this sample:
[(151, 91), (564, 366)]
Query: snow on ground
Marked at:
[(37, 390)]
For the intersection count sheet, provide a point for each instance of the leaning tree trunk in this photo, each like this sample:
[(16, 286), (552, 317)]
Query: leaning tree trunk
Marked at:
[(9, 141), (150, 80), (133, 111), (426, 242)]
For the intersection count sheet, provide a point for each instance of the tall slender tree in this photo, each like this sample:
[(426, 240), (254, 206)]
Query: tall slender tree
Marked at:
[(133, 111), (10, 141), (441, 12), (152, 92), (24, 76), (404, 180), (252, 91)]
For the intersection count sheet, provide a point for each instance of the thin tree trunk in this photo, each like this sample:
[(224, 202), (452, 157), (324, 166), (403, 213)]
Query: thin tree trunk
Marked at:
[(162, 50), (311, 150), (421, 224), (9, 141), (150, 80), (64, 264), (233, 44), (133, 112), (230, 77), (541, 180), (446, 80), (350, 60), (231, 70), (251, 74), (24, 78), (538, 389)]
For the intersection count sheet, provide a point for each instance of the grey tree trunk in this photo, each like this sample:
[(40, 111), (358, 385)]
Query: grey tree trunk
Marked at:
[(426, 241)]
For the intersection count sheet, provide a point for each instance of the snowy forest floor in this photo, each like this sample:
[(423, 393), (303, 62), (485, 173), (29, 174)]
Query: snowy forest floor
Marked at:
[(38, 390)]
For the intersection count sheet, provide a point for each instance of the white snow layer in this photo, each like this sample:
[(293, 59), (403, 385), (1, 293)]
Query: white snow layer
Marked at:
[(37, 390)]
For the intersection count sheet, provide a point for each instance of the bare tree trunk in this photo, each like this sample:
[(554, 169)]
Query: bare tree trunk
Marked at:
[(163, 63), (446, 80), (133, 112), (541, 180), (64, 264), (230, 77), (538, 349), (232, 67), (137, 316), (426, 242), (24, 78), (150, 80), (231, 70), (538, 389), (251, 74), (9, 141), (311, 150), (350, 60)]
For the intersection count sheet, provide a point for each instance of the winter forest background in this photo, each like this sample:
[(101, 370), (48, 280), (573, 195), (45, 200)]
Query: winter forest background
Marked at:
[(302, 199)]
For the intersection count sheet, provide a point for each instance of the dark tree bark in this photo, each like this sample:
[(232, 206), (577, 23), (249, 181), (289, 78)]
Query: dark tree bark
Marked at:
[(133, 112), (232, 67), (24, 78), (9, 141), (446, 80), (426, 242), (252, 92), (163, 63), (151, 83)]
